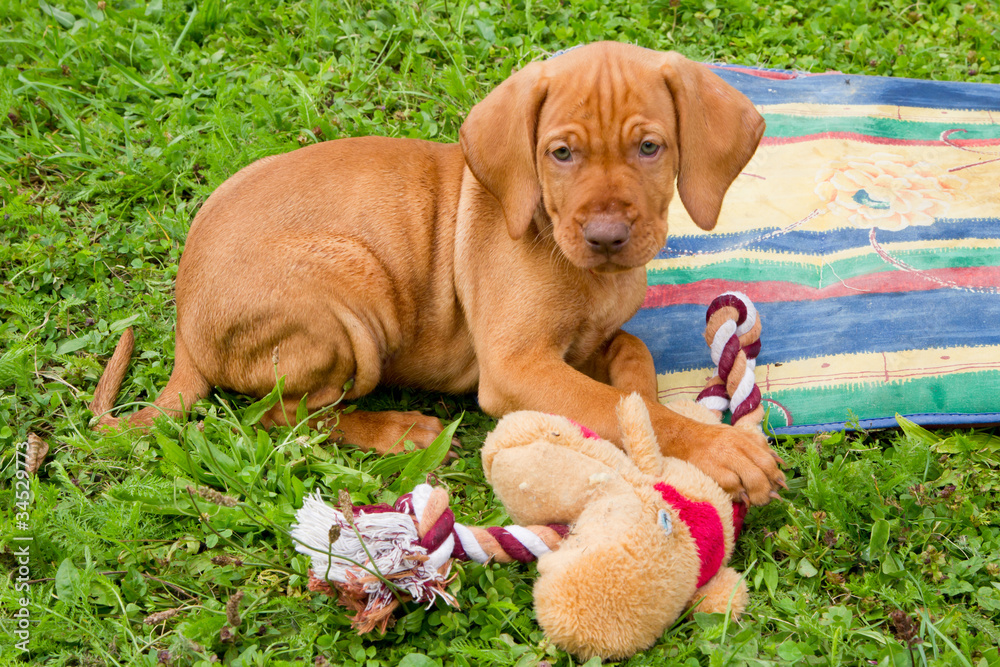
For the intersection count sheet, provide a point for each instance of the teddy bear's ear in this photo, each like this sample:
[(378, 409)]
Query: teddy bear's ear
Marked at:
[(638, 436)]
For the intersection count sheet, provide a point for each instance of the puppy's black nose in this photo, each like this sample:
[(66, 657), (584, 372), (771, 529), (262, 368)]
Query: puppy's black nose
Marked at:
[(606, 236)]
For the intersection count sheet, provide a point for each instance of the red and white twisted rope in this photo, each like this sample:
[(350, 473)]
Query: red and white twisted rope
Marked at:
[(410, 543), (440, 533), (732, 332)]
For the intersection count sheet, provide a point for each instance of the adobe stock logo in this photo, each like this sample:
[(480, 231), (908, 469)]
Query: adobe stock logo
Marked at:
[(22, 552)]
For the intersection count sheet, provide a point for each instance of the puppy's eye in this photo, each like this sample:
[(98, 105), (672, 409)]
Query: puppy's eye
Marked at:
[(648, 148), (562, 154), (666, 523)]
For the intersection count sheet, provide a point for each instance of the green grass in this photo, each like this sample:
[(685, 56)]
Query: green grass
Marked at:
[(120, 119)]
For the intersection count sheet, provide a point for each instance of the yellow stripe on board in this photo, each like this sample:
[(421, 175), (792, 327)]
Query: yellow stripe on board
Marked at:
[(778, 188), (844, 369), (916, 114), (707, 259)]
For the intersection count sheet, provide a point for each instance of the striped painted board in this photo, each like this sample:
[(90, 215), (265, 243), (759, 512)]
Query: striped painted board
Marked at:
[(866, 230)]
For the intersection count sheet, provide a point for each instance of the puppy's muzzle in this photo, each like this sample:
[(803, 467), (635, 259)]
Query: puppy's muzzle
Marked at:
[(606, 235)]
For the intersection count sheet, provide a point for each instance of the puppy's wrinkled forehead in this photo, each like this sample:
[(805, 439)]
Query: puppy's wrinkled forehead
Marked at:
[(604, 96)]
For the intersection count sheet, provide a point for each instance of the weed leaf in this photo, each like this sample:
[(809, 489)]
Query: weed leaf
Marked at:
[(879, 539), (417, 660), (422, 462), (64, 18), (121, 325), (253, 414), (75, 344), (916, 432), (67, 582)]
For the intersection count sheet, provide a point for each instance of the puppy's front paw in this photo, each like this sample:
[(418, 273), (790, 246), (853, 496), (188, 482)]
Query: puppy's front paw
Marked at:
[(740, 461)]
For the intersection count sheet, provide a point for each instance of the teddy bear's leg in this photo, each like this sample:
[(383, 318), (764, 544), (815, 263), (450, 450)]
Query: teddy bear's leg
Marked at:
[(715, 596)]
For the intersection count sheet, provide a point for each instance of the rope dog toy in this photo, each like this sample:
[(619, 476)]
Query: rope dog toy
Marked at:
[(732, 332), (411, 544)]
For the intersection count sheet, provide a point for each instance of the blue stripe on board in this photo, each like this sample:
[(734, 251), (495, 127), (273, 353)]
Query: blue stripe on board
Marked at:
[(924, 419), (844, 325), (857, 89), (821, 243)]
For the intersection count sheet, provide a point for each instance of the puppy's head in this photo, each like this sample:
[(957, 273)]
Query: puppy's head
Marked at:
[(598, 136)]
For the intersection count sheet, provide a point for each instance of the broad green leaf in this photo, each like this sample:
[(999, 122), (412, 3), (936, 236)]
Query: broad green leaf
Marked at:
[(103, 592), (298, 491), (95, 14), (427, 460), (955, 586), (121, 325), (387, 465), (790, 651), (75, 344), (838, 615), (890, 565), (417, 660), (331, 468), (770, 577), (253, 414), (64, 18), (301, 412), (916, 432), (984, 441), (879, 539), (988, 598), (264, 446), (67, 582), (182, 458), (707, 621), (219, 462), (806, 569)]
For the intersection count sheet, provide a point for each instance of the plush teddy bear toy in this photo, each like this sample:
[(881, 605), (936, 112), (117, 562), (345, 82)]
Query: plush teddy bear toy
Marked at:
[(649, 535)]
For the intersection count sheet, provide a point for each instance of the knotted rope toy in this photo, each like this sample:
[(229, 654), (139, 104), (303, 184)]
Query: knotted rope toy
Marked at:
[(643, 536), (732, 331), (411, 544)]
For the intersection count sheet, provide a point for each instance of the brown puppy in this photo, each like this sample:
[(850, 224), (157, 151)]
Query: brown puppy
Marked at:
[(506, 263)]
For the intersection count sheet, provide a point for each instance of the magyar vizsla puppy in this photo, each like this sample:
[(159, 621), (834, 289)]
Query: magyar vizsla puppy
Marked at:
[(504, 264)]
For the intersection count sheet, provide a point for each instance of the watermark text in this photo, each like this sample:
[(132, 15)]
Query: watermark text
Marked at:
[(22, 550)]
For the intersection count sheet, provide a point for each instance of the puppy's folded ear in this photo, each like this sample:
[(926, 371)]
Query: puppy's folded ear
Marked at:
[(498, 140), (718, 131)]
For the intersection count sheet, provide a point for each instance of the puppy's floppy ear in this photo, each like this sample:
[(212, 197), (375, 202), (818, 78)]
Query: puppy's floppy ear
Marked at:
[(498, 141), (718, 130)]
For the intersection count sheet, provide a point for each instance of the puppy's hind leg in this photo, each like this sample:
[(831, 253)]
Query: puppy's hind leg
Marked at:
[(385, 432)]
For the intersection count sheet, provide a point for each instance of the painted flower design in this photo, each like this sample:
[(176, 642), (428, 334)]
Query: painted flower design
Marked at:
[(886, 191)]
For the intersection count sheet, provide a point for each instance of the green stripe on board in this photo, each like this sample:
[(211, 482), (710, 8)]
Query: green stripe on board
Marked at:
[(930, 395), (831, 273), (783, 125)]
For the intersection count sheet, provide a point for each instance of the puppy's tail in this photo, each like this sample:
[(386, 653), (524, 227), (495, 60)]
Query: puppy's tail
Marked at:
[(111, 382)]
